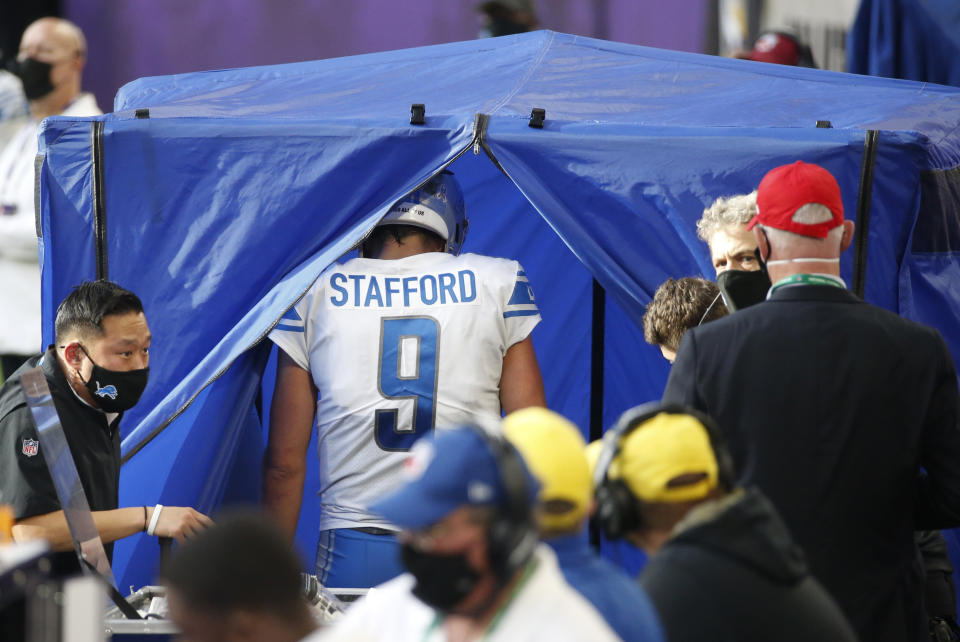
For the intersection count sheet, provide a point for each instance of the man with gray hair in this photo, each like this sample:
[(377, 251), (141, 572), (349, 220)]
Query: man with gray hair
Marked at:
[(723, 227), (852, 428), (741, 276)]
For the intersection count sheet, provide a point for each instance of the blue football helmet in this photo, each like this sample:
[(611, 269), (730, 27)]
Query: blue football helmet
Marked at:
[(437, 206)]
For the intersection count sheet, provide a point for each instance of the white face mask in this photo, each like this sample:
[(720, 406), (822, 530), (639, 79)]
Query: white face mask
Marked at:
[(802, 260)]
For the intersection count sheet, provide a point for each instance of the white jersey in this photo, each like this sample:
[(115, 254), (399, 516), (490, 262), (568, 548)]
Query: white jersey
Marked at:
[(544, 608), (396, 348)]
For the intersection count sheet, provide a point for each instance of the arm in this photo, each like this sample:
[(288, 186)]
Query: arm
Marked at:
[(174, 521), (284, 462), (520, 381)]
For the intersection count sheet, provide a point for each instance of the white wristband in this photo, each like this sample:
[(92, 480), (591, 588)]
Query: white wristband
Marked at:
[(154, 519)]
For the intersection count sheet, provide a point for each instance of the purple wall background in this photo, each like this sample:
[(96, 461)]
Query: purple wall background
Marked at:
[(135, 38)]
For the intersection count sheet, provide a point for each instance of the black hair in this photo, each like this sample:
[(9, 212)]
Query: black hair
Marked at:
[(83, 310), (242, 562), (373, 244)]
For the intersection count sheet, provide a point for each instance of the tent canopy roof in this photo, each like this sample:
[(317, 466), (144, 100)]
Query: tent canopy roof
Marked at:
[(575, 79)]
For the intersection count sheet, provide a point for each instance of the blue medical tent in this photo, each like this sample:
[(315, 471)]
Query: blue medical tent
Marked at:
[(220, 196)]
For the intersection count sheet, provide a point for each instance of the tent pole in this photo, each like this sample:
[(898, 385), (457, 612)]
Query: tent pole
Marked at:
[(99, 209), (863, 212), (596, 361), (596, 383)]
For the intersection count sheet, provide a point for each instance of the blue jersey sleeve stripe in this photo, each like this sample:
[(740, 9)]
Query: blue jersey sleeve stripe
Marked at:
[(520, 313), (289, 328), (522, 295)]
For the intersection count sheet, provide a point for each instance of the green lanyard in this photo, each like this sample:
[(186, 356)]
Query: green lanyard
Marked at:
[(808, 279), (498, 616)]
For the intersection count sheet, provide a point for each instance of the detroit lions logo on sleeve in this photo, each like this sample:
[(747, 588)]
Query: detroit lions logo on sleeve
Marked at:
[(521, 303), (290, 321)]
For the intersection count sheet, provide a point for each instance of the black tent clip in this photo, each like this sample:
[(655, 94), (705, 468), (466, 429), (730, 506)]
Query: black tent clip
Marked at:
[(537, 116), (824, 124), (417, 114)]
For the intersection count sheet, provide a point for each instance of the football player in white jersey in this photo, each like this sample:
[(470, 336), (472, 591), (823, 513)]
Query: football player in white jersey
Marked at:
[(382, 350)]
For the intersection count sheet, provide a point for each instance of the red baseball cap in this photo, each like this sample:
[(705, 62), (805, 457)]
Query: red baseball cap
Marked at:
[(777, 48), (787, 188)]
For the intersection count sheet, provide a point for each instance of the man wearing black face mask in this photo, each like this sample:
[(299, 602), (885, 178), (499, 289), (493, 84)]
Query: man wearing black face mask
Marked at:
[(741, 275), (844, 414), (50, 62), (96, 370), (475, 569)]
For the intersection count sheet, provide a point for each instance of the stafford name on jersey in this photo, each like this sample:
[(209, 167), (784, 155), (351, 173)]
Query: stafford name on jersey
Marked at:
[(380, 291)]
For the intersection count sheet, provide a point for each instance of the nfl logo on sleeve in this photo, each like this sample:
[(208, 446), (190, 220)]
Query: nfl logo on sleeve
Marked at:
[(30, 447)]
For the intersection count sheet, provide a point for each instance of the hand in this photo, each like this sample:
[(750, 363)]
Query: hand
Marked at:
[(179, 522)]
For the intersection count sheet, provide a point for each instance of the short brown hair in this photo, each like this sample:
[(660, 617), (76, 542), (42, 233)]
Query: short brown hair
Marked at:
[(677, 306)]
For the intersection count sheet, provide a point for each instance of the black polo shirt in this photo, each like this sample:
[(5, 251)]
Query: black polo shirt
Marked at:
[(25, 481)]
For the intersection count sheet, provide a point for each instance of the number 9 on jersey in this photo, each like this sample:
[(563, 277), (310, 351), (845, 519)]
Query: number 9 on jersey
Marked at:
[(407, 370)]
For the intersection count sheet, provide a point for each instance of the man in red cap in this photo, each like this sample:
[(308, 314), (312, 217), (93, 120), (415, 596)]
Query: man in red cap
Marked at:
[(844, 414), (780, 48)]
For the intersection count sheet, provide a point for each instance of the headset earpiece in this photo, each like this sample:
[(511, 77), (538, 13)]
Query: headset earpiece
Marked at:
[(617, 510), (512, 534)]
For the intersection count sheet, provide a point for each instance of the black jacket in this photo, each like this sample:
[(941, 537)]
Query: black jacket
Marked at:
[(25, 481), (738, 577), (831, 407)]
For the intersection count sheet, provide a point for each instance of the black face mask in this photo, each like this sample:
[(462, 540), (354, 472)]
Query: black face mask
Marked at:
[(742, 288), (35, 76), (115, 390), (443, 581)]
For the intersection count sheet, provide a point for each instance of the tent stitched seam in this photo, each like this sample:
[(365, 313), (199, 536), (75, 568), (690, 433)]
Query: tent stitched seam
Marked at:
[(523, 81)]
